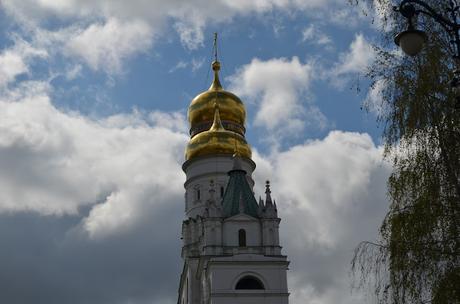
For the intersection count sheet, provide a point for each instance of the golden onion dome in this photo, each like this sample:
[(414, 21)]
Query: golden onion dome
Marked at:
[(201, 109), (217, 141)]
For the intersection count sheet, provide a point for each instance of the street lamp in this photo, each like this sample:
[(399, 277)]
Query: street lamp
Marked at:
[(412, 40)]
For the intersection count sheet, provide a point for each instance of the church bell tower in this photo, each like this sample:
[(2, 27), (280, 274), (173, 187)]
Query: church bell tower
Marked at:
[(231, 248)]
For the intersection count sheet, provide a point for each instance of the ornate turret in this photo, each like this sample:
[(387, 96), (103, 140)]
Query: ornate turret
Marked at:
[(231, 247)]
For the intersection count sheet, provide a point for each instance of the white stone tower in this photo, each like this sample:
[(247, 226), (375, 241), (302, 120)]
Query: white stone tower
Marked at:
[(231, 248)]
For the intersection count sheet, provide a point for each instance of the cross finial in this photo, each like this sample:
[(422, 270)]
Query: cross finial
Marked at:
[(215, 46), (216, 86)]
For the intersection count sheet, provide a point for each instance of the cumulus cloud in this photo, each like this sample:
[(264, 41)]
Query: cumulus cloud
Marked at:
[(85, 203), (11, 65), (105, 46), (191, 33), (104, 199), (358, 58), (330, 195), (189, 18), (279, 89), (90, 208), (56, 163), (374, 99), (14, 61), (173, 121)]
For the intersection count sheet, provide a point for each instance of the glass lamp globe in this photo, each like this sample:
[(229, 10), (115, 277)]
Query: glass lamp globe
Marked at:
[(411, 41)]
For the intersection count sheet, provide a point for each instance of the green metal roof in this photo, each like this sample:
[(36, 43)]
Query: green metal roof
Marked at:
[(238, 193)]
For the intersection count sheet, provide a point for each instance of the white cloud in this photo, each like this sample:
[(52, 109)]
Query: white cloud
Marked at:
[(374, 99), (73, 72), (279, 88), (11, 65), (358, 58), (101, 45), (330, 192), (381, 12), (104, 33), (320, 177), (180, 65), (316, 36), (195, 64), (14, 61), (191, 33), (190, 17), (174, 121), (54, 162), (330, 195), (105, 46)]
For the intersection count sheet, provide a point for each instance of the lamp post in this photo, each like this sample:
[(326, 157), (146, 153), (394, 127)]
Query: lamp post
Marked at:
[(412, 40)]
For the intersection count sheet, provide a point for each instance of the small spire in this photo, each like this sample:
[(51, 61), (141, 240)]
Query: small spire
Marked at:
[(261, 202), (217, 123), (216, 68), (268, 198)]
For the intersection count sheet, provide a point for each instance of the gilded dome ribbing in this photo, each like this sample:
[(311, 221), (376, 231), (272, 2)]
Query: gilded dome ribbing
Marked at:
[(201, 109), (216, 141), (217, 122)]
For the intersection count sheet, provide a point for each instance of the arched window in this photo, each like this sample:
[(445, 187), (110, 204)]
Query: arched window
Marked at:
[(196, 193), (249, 282), (242, 238)]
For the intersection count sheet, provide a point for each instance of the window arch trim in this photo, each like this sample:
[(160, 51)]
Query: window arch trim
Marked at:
[(250, 274), (249, 283)]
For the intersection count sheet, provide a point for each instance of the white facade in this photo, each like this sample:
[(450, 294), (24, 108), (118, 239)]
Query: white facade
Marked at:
[(199, 174), (229, 257)]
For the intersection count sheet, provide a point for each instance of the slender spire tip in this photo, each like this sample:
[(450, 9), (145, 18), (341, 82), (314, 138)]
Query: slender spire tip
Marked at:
[(215, 47), (216, 85)]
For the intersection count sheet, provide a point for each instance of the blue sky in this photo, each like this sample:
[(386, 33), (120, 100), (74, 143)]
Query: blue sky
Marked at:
[(93, 105), (160, 74)]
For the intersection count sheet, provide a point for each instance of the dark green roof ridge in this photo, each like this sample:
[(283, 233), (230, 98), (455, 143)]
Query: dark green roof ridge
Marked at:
[(239, 192)]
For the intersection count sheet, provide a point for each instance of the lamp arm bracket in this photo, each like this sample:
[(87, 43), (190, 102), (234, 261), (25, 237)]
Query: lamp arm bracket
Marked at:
[(447, 26), (429, 11)]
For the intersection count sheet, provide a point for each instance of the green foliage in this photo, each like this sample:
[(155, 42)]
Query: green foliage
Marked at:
[(417, 259)]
